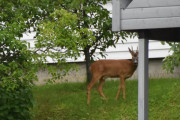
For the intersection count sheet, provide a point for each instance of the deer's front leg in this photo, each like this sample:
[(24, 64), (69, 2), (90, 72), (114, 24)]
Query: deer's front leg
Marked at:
[(124, 88), (122, 85)]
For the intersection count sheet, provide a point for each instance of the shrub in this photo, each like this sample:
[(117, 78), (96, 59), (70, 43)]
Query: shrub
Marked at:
[(16, 104), (17, 73)]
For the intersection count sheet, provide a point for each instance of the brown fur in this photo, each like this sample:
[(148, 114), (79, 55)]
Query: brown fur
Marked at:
[(102, 69)]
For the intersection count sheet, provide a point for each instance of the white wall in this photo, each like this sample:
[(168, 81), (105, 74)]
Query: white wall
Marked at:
[(156, 49)]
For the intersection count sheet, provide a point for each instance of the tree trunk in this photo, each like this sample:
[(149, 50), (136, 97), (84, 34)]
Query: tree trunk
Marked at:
[(88, 63), (87, 48)]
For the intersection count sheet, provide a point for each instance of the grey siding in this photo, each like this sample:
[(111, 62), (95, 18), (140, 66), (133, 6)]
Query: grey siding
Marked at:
[(152, 23), (155, 12), (153, 3), (147, 14)]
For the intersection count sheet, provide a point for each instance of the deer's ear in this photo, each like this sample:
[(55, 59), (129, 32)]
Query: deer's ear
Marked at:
[(130, 50), (137, 50)]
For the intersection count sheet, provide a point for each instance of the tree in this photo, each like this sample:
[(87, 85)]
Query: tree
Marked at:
[(60, 38), (172, 61), (18, 63), (92, 17)]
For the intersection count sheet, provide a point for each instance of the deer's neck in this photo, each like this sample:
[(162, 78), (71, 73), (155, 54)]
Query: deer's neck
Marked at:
[(134, 66)]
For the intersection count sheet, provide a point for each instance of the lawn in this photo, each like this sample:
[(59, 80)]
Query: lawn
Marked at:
[(67, 101)]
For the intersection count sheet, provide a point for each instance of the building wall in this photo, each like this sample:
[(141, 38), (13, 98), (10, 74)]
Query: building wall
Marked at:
[(146, 14), (156, 49), (120, 51)]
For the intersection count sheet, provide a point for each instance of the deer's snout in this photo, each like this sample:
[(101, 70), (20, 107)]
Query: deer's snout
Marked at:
[(136, 61)]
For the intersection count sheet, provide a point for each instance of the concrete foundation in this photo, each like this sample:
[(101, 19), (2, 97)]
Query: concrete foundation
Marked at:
[(155, 71)]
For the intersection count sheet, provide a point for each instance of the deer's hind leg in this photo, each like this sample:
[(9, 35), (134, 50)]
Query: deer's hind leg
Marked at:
[(101, 83), (95, 78)]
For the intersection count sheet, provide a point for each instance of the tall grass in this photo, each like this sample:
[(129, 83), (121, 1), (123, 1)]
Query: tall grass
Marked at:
[(67, 101)]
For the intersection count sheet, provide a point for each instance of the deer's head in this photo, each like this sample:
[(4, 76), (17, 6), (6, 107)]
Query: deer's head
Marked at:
[(134, 55)]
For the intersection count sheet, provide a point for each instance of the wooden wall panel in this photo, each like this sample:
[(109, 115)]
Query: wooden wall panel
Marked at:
[(152, 23), (155, 12), (153, 3)]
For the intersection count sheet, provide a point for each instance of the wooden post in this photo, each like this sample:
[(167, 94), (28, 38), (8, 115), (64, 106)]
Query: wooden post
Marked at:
[(116, 15), (143, 77)]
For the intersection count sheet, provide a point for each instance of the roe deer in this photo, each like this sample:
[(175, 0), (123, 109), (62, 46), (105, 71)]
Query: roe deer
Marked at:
[(102, 69)]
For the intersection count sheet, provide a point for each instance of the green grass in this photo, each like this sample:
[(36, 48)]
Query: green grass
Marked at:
[(67, 101)]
